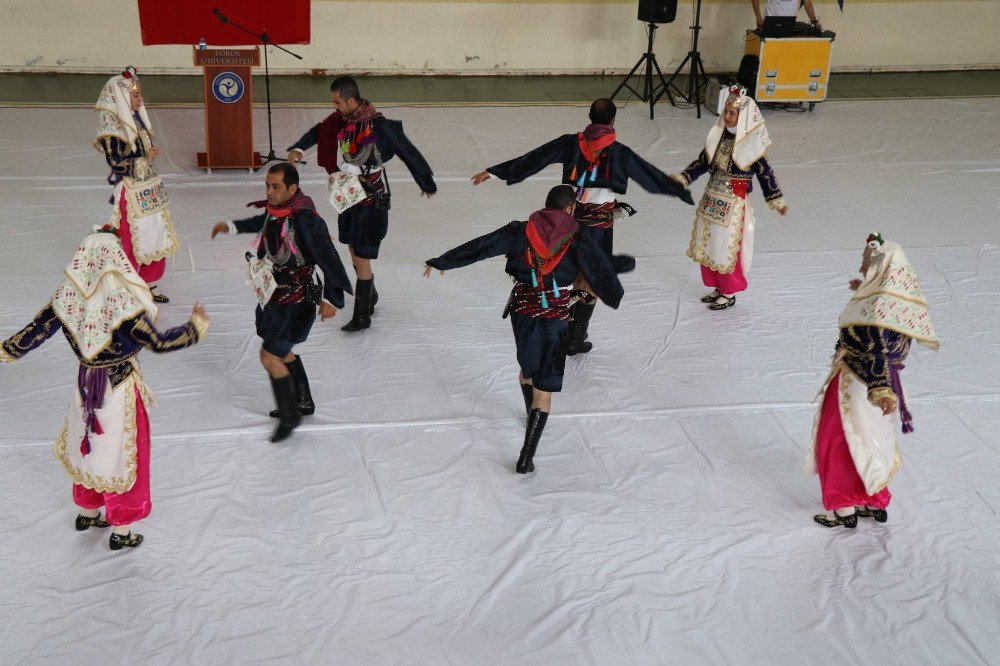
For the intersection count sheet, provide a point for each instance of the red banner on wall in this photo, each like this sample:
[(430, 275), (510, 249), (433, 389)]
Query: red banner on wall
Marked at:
[(187, 21)]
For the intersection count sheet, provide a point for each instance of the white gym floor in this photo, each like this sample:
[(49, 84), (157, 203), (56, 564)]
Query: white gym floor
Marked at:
[(667, 522)]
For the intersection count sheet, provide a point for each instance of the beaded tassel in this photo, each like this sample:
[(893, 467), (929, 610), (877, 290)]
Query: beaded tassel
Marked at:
[(534, 279), (572, 175), (555, 287), (545, 301), (593, 173)]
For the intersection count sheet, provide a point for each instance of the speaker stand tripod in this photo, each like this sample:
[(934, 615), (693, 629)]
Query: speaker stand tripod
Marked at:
[(650, 93), (697, 79)]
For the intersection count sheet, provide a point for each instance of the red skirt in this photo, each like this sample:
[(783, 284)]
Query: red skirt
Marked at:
[(838, 477)]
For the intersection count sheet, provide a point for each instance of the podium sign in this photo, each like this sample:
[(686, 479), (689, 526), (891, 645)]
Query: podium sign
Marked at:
[(228, 108)]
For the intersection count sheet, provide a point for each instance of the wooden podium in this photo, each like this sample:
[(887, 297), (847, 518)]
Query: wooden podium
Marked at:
[(228, 108)]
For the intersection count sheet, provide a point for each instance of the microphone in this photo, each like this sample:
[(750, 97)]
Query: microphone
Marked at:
[(222, 19)]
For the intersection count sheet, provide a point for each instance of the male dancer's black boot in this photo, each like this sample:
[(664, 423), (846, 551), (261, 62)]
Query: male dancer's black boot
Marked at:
[(363, 306), (532, 433), (302, 392), (288, 409), (528, 391), (581, 313)]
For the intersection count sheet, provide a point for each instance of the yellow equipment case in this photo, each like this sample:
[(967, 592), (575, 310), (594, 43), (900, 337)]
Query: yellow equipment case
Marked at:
[(792, 69)]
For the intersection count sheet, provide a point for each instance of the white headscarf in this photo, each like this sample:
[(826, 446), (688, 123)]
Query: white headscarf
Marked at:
[(751, 134), (101, 291), (115, 108), (890, 296)]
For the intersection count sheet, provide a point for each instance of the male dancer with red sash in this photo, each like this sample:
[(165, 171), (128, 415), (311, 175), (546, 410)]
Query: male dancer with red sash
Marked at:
[(357, 139), (292, 241), (545, 256), (599, 167)]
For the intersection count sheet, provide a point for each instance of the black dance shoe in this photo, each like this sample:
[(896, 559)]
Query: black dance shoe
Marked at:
[(710, 298), (158, 297), (880, 515), (119, 541), (84, 523), (722, 302), (850, 522)]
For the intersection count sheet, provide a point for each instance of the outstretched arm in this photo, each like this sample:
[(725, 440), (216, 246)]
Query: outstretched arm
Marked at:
[(493, 244), (598, 271), (308, 140), (527, 165), (406, 151), (180, 337), (652, 179), (248, 225), (694, 170), (42, 327)]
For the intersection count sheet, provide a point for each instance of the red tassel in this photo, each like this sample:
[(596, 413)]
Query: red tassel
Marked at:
[(572, 176), (85, 445), (96, 428)]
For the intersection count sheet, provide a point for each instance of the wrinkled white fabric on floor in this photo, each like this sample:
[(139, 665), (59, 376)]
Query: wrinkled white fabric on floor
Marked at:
[(667, 521)]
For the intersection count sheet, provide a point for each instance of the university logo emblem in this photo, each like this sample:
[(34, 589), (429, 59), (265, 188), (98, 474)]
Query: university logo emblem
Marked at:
[(227, 87)]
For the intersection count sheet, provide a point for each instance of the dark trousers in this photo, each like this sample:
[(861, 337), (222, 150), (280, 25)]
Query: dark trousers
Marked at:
[(541, 350), (284, 326)]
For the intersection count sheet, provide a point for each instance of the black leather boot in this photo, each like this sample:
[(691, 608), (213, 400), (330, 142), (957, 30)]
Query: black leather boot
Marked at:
[(302, 392), (532, 433), (582, 312), (362, 317), (284, 396), (528, 391), (374, 296)]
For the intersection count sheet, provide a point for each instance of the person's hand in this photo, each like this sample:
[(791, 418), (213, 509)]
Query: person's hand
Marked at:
[(220, 228), (760, 22), (886, 404), (854, 284), (199, 311), (326, 311), (783, 211), (428, 270), (154, 152), (424, 193), (481, 178), (294, 157)]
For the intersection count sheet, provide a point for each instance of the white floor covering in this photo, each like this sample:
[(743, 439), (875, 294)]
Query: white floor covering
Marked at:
[(667, 521)]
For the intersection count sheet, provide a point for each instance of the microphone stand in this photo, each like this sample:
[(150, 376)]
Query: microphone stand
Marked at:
[(264, 39)]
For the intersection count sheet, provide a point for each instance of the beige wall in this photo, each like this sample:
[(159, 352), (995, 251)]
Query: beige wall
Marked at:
[(508, 37)]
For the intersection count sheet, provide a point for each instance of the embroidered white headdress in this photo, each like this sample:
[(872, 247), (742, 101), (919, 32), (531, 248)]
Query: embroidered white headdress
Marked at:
[(890, 296), (115, 109), (751, 140), (101, 291)]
